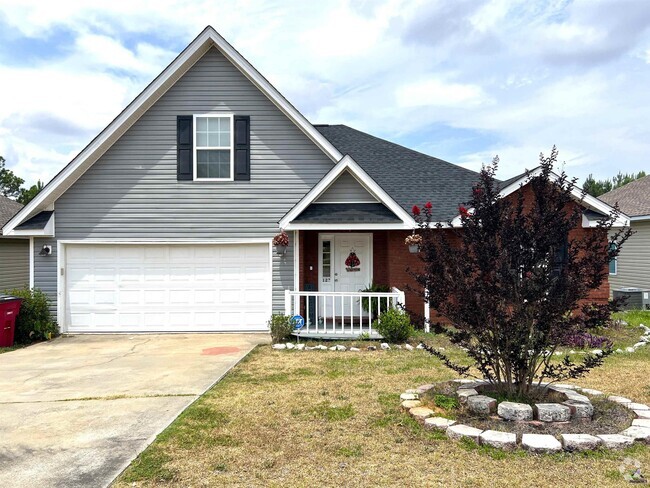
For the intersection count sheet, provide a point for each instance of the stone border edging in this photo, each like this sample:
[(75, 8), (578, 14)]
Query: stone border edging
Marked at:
[(639, 431)]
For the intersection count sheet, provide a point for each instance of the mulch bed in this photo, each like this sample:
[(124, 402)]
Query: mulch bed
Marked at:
[(609, 417)]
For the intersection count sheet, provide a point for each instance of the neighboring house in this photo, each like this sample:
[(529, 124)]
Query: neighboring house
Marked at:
[(165, 221), (14, 253), (632, 267)]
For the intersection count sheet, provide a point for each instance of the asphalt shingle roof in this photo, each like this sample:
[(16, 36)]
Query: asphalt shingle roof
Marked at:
[(347, 213), (38, 221), (8, 208), (409, 177), (633, 199)]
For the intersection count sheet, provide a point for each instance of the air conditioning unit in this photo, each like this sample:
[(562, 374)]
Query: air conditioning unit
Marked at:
[(637, 298)]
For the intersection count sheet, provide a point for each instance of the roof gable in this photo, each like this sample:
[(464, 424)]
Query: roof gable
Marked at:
[(346, 189), (208, 39)]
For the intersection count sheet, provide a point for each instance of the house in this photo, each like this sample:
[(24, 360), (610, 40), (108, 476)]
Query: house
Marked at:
[(14, 253), (165, 221), (632, 267)]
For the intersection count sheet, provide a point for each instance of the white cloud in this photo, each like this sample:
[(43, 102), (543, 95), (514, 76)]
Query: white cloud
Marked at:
[(513, 77), (435, 93)]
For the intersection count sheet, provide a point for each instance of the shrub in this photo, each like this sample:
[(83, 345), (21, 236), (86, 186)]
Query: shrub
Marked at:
[(34, 322), (394, 325), (281, 327), (584, 340)]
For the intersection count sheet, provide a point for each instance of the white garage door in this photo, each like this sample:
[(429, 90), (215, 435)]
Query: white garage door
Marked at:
[(167, 288)]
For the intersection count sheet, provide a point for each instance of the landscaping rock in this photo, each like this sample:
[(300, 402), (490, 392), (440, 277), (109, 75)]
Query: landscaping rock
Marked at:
[(355, 349), (372, 348), (619, 351), (340, 347), (290, 345), (408, 347), (464, 393), (580, 410), (629, 349), (409, 396), (279, 346), (321, 347), (591, 391), (638, 433), (420, 346), (439, 423), (615, 441), (638, 345), (458, 431), (619, 399), (565, 386), (397, 346), (515, 411), (642, 414), (637, 406), (597, 352), (552, 412), (385, 346), (310, 348), (576, 397), (409, 404), (500, 440), (579, 442), (641, 423), (481, 404), (423, 388), (540, 443), (300, 347), (333, 348), (420, 413)]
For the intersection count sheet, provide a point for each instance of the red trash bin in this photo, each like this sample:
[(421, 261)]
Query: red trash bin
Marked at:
[(9, 308)]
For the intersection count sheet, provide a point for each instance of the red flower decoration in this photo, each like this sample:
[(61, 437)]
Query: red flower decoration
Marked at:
[(415, 210), (463, 211), (352, 261), (428, 205), (477, 192)]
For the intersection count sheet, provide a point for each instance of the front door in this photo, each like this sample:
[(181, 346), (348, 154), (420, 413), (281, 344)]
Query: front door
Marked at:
[(345, 266)]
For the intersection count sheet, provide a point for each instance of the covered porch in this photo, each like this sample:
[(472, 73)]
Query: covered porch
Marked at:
[(347, 279)]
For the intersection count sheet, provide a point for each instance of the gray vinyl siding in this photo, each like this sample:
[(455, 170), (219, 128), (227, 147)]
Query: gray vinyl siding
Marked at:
[(45, 270), (14, 263), (131, 192), (634, 260), (346, 189)]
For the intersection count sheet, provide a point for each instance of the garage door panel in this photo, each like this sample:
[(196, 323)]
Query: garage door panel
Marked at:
[(134, 288)]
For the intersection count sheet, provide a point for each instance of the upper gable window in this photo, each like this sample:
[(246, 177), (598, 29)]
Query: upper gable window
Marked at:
[(213, 146)]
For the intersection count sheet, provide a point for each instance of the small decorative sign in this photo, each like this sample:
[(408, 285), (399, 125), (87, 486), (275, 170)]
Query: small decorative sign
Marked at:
[(352, 262), (298, 321)]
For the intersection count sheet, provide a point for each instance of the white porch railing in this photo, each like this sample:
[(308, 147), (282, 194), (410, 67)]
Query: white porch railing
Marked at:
[(340, 313)]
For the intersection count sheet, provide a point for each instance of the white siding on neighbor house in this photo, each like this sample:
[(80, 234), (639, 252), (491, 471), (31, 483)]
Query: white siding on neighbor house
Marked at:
[(14, 263), (633, 267), (346, 188), (131, 192)]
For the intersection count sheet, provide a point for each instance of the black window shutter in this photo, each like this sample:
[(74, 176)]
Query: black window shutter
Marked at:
[(184, 147), (242, 147)]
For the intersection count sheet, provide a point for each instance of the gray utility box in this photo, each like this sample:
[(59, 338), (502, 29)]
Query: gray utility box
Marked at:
[(637, 298)]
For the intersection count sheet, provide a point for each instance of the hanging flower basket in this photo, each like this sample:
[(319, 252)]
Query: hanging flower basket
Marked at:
[(413, 242), (281, 242)]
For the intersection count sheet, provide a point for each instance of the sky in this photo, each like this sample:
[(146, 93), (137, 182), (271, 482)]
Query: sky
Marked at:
[(461, 80)]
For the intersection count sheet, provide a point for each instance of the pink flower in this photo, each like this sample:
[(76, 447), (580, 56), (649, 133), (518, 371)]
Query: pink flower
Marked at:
[(415, 210), (463, 211), (428, 205)]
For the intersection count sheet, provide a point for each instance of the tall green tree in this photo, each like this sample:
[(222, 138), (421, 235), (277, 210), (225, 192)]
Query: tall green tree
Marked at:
[(600, 187), (28, 194), (10, 184)]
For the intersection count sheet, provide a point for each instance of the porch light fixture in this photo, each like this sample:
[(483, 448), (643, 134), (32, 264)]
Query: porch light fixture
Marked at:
[(45, 251)]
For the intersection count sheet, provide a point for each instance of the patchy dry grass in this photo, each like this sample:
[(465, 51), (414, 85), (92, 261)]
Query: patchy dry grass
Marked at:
[(290, 418)]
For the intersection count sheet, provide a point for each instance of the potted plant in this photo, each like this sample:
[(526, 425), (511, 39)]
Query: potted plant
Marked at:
[(281, 242), (413, 242)]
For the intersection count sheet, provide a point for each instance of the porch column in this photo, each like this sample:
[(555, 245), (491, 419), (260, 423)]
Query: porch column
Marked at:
[(427, 311)]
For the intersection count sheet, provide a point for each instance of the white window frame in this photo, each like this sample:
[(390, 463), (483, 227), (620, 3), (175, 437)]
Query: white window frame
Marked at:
[(195, 149)]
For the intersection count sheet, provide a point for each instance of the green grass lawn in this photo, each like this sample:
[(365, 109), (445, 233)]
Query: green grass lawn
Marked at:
[(12, 348), (324, 418)]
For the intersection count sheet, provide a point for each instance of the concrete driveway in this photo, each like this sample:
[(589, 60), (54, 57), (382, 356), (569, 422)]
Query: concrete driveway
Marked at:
[(75, 411)]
